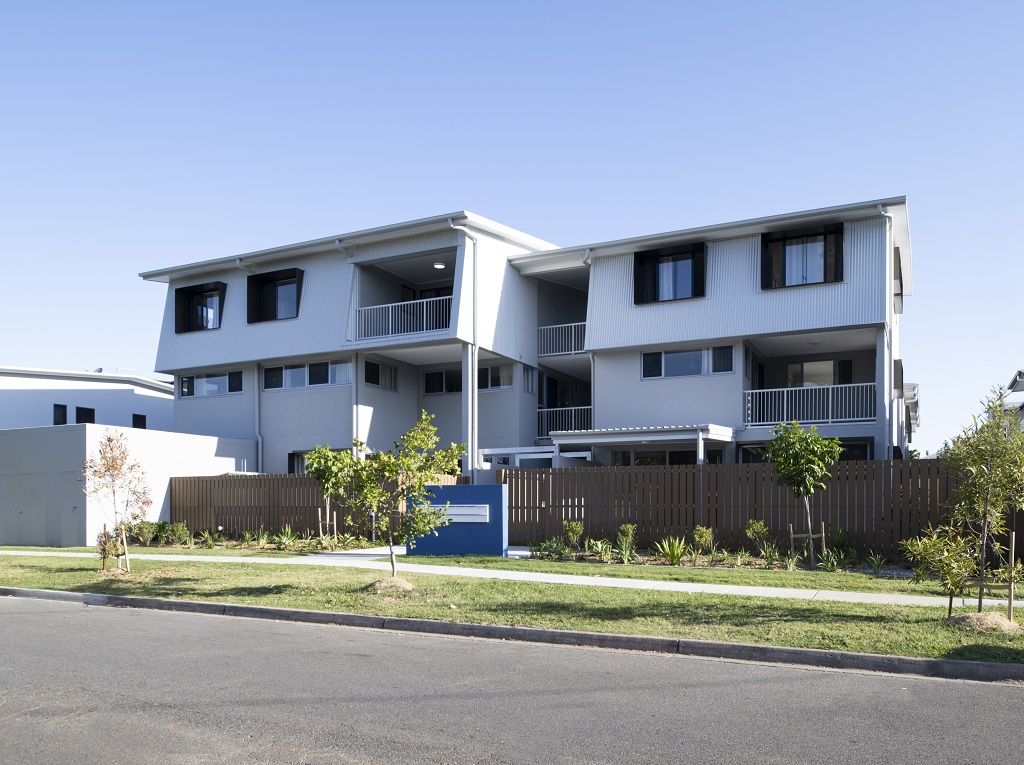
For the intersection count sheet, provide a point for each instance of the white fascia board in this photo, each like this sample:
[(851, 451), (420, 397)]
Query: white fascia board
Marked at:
[(353, 239), (901, 239), (654, 434), (62, 374), (556, 260)]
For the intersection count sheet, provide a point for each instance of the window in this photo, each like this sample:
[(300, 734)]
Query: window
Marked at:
[(330, 373), (315, 374), (380, 375), (297, 463), (806, 256), (810, 374), (669, 273), (495, 378), (274, 295), (85, 415), (60, 414), (721, 359), (529, 380), (442, 381), (199, 307), (716, 360), (210, 384), (139, 421)]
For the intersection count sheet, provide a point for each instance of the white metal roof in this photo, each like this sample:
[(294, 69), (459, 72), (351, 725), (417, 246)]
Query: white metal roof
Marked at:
[(63, 374)]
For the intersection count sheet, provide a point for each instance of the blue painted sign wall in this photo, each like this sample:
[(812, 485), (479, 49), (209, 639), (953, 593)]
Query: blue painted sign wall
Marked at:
[(479, 522)]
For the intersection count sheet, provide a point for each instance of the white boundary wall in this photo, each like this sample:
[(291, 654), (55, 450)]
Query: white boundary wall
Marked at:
[(41, 497)]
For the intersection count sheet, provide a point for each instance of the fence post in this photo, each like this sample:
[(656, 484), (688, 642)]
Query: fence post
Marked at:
[(792, 549)]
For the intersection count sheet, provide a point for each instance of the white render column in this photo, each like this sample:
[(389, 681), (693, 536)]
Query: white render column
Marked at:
[(700, 446), (883, 397), (470, 381)]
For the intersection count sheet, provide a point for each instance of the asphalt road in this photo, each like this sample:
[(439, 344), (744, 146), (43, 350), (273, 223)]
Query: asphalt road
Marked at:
[(83, 685)]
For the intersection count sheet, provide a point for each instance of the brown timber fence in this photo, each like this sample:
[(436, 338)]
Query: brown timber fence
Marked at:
[(240, 503), (878, 503)]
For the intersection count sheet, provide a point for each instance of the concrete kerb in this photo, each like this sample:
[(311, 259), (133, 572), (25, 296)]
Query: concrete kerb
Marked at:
[(950, 669)]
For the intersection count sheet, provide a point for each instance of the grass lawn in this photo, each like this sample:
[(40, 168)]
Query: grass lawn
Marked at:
[(154, 550), (805, 580), (893, 630)]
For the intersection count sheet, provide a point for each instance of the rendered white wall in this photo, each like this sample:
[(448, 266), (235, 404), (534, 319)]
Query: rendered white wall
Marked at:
[(27, 402)]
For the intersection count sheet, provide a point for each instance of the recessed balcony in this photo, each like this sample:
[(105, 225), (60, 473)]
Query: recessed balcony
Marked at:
[(405, 318), (567, 418), (561, 339), (819, 404)]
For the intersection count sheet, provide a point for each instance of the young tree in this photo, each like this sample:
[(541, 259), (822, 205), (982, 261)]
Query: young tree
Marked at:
[(802, 460), (392, 487), (987, 460), (335, 471), (111, 476)]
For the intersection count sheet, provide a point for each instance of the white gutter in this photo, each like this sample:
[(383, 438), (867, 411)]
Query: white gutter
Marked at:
[(474, 393), (242, 266)]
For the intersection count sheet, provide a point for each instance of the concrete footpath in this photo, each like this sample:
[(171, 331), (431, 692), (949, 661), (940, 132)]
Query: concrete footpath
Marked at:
[(371, 559), (952, 669)]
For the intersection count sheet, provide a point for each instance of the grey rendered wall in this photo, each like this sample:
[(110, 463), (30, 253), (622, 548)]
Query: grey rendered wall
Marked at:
[(384, 415), (298, 420), (623, 399), (29, 403), (232, 415)]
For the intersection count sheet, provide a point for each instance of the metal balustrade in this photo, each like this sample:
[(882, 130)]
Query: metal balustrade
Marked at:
[(404, 318), (818, 404), (566, 418), (561, 339)]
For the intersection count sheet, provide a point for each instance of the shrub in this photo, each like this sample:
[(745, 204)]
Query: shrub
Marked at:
[(573, 532), (672, 550), (830, 561), (285, 538), (162, 532), (209, 539), (791, 561), (108, 545), (769, 551), (248, 537), (551, 549), (602, 548), (703, 539), (877, 561), (757, 532), (625, 543), (178, 533), (144, 531)]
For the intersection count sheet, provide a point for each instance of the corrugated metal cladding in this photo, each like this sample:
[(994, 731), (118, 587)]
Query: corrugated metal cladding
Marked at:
[(735, 305), (408, 246), (319, 327), (507, 309)]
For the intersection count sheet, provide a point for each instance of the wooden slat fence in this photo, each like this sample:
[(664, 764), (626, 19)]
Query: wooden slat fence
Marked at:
[(878, 503), (250, 502)]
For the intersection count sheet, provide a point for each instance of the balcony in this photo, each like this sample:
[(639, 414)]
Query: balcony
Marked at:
[(566, 418), (405, 318), (811, 405), (561, 339)]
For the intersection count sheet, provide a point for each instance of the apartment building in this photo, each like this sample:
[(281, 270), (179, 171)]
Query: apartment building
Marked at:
[(674, 348)]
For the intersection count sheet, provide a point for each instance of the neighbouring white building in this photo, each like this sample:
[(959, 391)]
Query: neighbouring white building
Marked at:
[(35, 397), (672, 348)]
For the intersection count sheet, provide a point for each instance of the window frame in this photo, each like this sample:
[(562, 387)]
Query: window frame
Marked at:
[(646, 283), (139, 421), (60, 414), (233, 378), (707, 363), (85, 415), (833, 267), (257, 287), (289, 383), (184, 319), (392, 372)]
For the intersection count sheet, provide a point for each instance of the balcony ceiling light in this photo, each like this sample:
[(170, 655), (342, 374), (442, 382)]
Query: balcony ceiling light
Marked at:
[(814, 342), (439, 265)]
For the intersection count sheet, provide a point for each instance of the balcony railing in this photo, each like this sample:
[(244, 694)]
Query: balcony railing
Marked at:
[(820, 404), (567, 418), (561, 339), (403, 318)]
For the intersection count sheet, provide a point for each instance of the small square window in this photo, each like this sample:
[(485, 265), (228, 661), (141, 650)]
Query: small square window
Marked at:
[(139, 421), (274, 295), (433, 382), (295, 376), (235, 382), (380, 375), (85, 415), (60, 414), (273, 378), (721, 359), (319, 373), (669, 273), (199, 307), (187, 386)]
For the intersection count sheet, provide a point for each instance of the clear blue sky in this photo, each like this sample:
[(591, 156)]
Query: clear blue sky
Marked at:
[(140, 135)]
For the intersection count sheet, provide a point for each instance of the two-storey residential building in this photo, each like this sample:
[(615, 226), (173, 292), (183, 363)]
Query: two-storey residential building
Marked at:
[(670, 348)]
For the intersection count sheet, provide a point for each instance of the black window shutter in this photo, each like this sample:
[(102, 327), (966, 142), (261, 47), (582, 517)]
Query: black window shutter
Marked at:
[(699, 259), (766, 264)]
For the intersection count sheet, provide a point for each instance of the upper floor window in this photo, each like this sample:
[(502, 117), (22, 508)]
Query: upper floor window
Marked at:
[(810, 374), (442, 381), (669, 273), (274, 295), (804, 256), (84, 414), (199, 307), (139, 421), (60, 414), (211, 384), (702, 361), (380, 375)]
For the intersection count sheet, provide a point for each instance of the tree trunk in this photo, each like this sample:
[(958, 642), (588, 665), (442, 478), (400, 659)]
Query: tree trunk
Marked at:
[(810, 531), (981, 572), (391, 550), (124, 542)]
